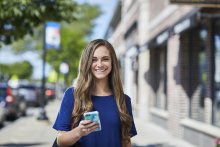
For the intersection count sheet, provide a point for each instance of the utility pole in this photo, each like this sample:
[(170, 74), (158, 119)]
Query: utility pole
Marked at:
[(51, 40), (42, 113)]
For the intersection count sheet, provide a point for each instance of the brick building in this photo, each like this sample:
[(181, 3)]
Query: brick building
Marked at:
[(170, 64)]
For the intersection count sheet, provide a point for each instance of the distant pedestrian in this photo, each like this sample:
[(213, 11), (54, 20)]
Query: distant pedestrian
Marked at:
[(98, 88)]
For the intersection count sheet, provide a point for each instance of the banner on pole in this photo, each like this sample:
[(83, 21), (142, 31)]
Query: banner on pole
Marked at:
[(52, 35)]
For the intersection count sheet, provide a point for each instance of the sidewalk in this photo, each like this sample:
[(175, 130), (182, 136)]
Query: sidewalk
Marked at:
[(29, 132), (151, 135)]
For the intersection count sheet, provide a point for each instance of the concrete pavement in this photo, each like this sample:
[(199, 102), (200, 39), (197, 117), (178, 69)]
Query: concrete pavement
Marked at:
[(151, 135), (30, 132)]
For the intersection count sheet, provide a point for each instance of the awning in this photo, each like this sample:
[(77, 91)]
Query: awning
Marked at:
[(202, 3)]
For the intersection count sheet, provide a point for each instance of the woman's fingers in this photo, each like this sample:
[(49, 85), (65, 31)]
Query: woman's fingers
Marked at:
[(91, 124), (87, 126), (94, 127), (85, 122)]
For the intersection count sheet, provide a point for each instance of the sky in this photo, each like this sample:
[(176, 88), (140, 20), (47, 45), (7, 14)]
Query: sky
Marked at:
[(102, 22), (101, 25)]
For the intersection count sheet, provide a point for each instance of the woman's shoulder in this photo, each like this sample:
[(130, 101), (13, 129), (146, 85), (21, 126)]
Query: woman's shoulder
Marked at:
[(68, 94), (127, 98), (69, 90), (128, 103)]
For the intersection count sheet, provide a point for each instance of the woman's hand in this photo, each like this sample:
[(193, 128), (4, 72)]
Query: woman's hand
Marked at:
[(86, 127), (67, 138)]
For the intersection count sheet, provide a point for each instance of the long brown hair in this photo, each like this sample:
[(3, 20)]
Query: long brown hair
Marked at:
[(82, 93)]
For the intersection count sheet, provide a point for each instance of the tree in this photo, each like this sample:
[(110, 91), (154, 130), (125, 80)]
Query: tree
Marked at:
[(73, 39), (24, 72), (20, 17)]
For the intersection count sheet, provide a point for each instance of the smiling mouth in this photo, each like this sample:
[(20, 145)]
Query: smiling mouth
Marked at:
[(100, 70)]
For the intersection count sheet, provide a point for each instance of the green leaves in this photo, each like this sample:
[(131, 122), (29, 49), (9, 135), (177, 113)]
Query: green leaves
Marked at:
[(25, 15), (24, 72)]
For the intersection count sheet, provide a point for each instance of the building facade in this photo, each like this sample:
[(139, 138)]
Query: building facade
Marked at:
[(170, 63)]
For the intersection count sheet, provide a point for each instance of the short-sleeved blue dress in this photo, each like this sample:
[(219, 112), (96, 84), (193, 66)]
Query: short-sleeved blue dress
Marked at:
[(110, 135)]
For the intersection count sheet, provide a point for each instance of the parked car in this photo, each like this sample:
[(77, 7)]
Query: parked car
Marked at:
[(30, 93), (2, 109), (14, 105), (217, 94)]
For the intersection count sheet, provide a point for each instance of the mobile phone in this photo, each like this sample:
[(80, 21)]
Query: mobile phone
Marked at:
[(94, 117)]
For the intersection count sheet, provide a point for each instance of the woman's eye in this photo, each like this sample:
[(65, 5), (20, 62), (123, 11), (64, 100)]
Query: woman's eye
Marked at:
[(94, 60), (106, 59)]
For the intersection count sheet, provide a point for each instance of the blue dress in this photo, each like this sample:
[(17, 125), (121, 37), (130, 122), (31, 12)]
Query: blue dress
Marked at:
[(110, 135)]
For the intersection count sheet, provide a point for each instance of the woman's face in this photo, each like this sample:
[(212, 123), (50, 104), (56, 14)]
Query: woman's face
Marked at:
[(101, 63)]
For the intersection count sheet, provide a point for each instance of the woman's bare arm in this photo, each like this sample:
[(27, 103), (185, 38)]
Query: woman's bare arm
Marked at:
[(68, 138)]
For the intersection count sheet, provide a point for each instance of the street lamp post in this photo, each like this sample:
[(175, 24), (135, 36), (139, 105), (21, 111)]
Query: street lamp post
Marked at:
[(51, 40), (42, 113)]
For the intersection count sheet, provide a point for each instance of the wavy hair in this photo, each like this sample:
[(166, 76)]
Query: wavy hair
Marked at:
[(82, 93)]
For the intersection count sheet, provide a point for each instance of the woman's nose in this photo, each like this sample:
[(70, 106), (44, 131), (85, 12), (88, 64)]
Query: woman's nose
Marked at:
[(99, 63)]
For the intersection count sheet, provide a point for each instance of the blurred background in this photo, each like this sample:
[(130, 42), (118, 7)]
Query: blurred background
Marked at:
[(169, 56)]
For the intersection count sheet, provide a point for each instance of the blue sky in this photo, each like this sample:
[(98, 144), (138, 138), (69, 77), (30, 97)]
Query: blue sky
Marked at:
[(107, 7)]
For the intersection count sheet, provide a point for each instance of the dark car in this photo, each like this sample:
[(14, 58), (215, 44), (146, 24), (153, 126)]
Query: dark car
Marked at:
[(14, 105), (31, 94), (2, 109)]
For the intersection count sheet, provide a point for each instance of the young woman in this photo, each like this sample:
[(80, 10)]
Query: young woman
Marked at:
[(98, 88)]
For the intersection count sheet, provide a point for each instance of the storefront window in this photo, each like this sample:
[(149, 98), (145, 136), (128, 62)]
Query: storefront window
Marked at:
[(217, 74), (202, 83), (198, 82), (161, 92)]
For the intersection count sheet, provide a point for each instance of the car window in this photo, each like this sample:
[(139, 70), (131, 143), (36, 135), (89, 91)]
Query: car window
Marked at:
[(27, 87), (3, 93)]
